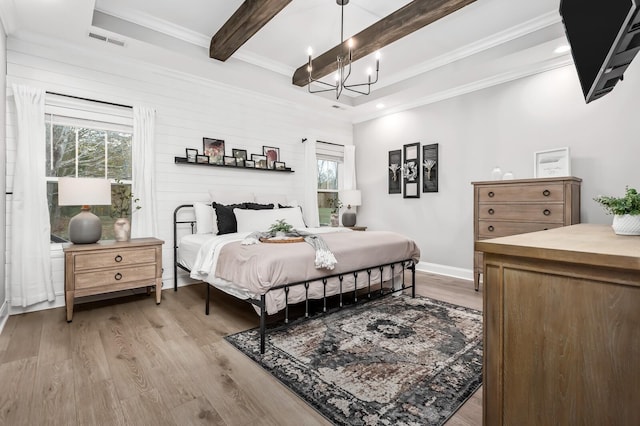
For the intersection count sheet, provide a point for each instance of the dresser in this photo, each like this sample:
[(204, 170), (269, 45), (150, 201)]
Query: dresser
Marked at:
[(561, 328), (109, 266), (509, 207)]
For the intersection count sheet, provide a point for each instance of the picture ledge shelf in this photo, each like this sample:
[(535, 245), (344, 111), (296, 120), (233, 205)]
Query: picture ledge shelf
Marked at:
[(183, 160)]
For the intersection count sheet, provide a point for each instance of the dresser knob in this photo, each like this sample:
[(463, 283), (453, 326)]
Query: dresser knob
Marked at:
[(118, 276), (491, 194), (546, 212), (491, 228), (118, 258), (546, 192), (491, 211)]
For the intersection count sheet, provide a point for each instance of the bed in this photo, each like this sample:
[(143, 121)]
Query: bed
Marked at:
[(273, 277)]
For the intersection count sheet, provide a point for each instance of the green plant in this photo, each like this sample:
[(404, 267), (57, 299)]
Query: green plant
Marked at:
[(280, 226), (335, 204), (122, 200), (629, 204)]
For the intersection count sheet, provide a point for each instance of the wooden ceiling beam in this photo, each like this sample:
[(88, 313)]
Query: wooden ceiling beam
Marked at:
[(402, 22), (243, 24)]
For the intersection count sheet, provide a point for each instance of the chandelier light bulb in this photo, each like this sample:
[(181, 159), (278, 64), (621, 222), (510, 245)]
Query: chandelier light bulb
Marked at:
[(377, 55), (337, 76), (350, 43), (309, 51), (369, 71)]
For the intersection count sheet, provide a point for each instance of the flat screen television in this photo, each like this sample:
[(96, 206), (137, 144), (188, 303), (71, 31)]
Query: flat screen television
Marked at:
[(604, 36)]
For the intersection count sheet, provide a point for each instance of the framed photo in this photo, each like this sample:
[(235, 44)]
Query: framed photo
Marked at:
[(552, 163), (395, 171), (191, 155), (240, 155), (250, 164), (279, 165), (272, 155), (259, 160), (202, 159), (214, 148), (411, 170), (430, 168), (229, 161)]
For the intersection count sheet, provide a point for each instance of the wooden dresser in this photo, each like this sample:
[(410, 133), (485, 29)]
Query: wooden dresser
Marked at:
[(561, 328), (509, 207), (109, 266)]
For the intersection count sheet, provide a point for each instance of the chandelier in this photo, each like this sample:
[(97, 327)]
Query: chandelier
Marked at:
[(343, 67)]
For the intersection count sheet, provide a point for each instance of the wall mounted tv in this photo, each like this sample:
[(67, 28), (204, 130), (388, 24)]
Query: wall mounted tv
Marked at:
[(604, 36)]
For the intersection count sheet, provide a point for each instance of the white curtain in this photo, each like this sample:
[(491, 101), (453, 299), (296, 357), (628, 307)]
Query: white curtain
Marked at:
[(144, 222), (30, 228), (349, 167), (311, 184)]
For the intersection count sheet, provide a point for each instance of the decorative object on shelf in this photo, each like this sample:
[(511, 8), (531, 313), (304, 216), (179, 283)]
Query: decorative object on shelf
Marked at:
[(626, 211), (395, 161), (201, 159), (343, 67), (85, 227), (552, 163), (507, 176), (123, 204), (191, 155), (279, 165), (249, 164), (496, 173), (335, 205), (351, 198), (240, 156), (230, 161), (430, 168), (272, 154), (214, 148), (259, 160), (410, 170)]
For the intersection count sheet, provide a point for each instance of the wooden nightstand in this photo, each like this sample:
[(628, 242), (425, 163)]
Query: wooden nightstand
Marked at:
[(109, 266)]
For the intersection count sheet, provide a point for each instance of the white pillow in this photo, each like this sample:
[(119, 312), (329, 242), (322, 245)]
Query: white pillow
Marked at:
[(261, 220), (231, 197), (206, 220), (274, 199)]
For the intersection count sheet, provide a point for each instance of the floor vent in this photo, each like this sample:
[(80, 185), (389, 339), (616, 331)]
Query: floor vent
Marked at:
[(107, 39)]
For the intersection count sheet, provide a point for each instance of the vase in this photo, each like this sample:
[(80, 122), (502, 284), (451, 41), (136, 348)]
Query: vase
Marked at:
[(334, 219), (507, 176), (122, 229), (626, 224), (496, 173)]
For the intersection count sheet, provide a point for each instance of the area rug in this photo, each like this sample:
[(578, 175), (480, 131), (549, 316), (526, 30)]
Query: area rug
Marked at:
[(391, 361)]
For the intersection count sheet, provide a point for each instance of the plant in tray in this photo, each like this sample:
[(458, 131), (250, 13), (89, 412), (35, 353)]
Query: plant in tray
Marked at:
[(280, 227), (626, 211)]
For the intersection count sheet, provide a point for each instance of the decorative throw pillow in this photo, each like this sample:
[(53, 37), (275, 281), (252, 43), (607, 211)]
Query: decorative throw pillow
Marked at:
[(261, 220), (206, 221), (226, 219), (258, 206)]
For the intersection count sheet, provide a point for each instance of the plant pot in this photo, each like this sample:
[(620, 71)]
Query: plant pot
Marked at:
[(334, 219), (626, 224), (122, 229)]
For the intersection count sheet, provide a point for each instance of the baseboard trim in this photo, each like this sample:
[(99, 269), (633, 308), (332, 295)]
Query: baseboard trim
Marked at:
[(4, 315), (449, 271)]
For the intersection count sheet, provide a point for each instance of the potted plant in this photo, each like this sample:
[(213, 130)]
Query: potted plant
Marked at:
[(280, 228), (122, 206), (626, 211)]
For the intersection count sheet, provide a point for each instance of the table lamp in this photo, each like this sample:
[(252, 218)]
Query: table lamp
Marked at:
[(351, 197), (85, 227)]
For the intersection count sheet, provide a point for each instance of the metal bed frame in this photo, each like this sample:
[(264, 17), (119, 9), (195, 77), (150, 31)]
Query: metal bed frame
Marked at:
[(406, 264)]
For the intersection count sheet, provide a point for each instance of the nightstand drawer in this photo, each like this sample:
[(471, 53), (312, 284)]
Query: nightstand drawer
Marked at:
[(115, 276), (114, 258), (490, 229), (522, 212), (543, 192)]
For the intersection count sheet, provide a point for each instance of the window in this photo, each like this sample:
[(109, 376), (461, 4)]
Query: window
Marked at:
[(80, 147), (330, 158)]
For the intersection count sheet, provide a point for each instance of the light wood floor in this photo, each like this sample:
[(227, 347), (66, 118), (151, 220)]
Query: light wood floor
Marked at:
[(127, 361)]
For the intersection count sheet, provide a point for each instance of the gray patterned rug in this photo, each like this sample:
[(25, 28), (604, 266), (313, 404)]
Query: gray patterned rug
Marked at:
[(391, 361)]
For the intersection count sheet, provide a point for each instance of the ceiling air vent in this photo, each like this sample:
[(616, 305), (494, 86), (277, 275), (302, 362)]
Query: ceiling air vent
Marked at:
[(107, 39)]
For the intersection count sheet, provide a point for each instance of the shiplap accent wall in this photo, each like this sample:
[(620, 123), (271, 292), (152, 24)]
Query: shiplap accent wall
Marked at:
[(188, 109)]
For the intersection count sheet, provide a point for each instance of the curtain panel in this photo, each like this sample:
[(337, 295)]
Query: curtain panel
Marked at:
[(144, 222)]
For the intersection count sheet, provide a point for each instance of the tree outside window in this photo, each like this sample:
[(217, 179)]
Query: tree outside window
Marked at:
[(327, 190)]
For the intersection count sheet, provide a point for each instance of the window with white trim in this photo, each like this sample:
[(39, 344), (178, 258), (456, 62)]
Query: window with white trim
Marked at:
[(330, 159)]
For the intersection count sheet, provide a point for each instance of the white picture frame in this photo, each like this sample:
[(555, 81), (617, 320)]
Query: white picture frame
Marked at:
[(552, 163)]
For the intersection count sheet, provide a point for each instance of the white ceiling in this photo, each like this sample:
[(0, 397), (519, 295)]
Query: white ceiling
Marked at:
[(482, 44)]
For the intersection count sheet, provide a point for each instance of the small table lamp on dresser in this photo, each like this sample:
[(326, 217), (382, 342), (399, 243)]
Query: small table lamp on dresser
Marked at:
[(351, 197), (85, 227)]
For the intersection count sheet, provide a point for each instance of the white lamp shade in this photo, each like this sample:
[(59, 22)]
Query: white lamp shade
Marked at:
[(84, 192), (351, 197)]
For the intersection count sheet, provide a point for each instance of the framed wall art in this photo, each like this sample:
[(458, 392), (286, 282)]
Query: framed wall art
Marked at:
[(552, 163), (260, 161), (279, 165), (395, 171), (430, 168), (230, 161), (250, 164), (240, 155), (191, 155), (214, 148), (411, 170), (202, 159), (272, 155)]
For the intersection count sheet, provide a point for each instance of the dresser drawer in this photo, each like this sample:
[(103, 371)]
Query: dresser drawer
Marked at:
[(522, 212), (108, 277), (114, 258), (494, 229), (529, 193)]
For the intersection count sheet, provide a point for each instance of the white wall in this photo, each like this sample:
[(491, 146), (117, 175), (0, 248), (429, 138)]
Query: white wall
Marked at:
[(4, 311), (188, 109), (500, 126)]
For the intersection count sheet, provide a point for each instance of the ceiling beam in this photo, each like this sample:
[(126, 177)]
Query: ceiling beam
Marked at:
[(243, 24), (400, 23)]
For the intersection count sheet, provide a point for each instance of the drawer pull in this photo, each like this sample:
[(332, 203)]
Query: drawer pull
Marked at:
[(118, 276), (546, 212), (546, 192), (490, 228), (491, 211), (491, 194), (545, 229), (118, 258)]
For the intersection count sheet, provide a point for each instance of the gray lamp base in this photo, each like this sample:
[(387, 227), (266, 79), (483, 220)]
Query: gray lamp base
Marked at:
[(85, 228), (348, 218)]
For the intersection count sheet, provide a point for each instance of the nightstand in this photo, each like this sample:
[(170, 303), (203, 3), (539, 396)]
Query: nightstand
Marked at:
[(357, 228), (109, 266)]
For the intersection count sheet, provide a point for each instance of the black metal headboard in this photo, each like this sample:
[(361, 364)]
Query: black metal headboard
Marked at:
[(177, 222)]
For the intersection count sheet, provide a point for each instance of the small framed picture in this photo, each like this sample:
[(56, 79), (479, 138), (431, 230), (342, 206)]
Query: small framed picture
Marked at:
[(272, 155), (229, 161), (249, 164), (552, 163), (240, 155), (214, 148), (202, 159), (191, 155), (260, 161), (279, 165)]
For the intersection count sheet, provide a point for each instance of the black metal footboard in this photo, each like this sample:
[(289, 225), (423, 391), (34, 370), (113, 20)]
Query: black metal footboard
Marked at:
[(403, 264)]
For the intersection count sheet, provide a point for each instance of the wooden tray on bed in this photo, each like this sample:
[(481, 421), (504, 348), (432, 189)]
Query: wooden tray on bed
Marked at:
[(282, 240)]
